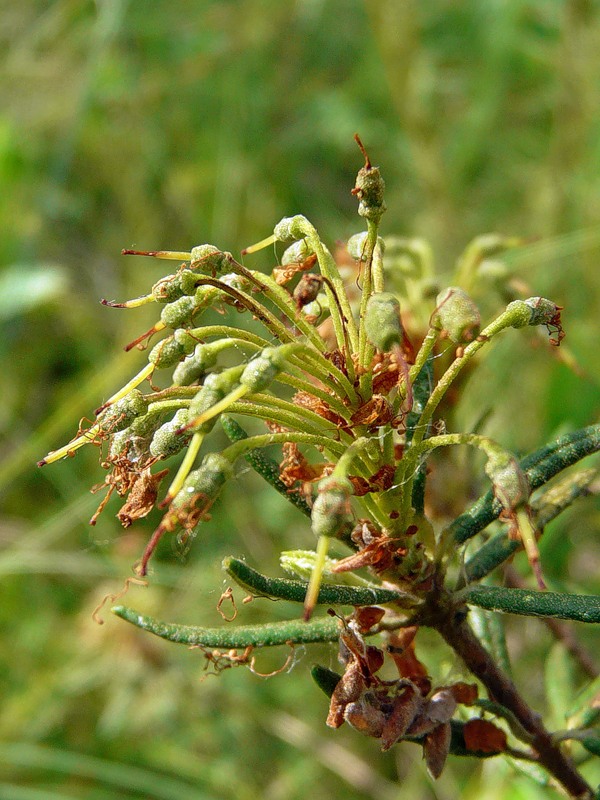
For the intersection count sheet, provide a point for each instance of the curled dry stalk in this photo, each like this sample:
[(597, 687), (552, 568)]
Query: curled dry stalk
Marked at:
[(354, 388)]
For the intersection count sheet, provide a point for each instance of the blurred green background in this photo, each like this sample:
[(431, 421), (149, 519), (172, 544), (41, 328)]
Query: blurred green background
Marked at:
[(166, 124)]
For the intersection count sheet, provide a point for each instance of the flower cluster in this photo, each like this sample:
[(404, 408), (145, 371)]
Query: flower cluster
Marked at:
[(345, 383)]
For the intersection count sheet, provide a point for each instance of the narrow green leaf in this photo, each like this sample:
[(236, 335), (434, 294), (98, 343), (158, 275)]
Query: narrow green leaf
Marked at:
[(234, 637), (540, 467), (581, 608), (422, 388), (488, 627), (261, 585), (490, 555), (266, 467)]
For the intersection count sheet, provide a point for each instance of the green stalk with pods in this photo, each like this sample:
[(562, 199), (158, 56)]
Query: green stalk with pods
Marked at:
[(348, 394)]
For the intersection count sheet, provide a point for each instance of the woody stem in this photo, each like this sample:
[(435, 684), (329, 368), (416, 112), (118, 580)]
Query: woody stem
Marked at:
[(456, 631)]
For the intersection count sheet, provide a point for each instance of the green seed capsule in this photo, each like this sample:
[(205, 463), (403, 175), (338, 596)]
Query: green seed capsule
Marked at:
[(179, 311), (209, 259), (187, 372), (356, 245), (510, 483), (197, 364), (214, 389), (121, 414), (458, 315), (382, 321), (167, 441), (291, 228), (296, 253), (535, 310), (207, 480), (172, 349), (369, 188), (172, 287), (264, 368), (331, 512)]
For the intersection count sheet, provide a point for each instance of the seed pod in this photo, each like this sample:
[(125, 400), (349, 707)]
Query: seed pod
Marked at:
[(179, 311), (209, 259), (382, 321), (262, 370), (172, 349), (214, 389), (296, 253), (331, 512), (168, 440), (458, 315), (356, 245), (172, 287), (291, 228), (187, 371), (206, 481), (510, 483), (194, 366), (121, 414), (538, 311), (135, 440), (369, 188)]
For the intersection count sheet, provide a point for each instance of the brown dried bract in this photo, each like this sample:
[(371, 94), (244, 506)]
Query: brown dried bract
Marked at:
[(142, 496), (401, 647), (295, 467), (380, 555), (374, 413), (482, 736), (320, 407), (338, 359), (283, 275)]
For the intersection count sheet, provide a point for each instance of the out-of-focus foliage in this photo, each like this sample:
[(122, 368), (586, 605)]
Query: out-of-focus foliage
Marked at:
[(164, 125)]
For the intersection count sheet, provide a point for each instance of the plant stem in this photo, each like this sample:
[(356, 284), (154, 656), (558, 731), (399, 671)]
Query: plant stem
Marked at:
[(455, 630)]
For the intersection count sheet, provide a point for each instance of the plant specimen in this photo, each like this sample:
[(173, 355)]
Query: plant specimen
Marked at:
[(353, 376)]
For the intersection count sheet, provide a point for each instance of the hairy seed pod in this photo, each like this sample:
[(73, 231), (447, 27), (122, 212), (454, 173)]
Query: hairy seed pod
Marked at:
[(197, 364), (179, 311), (510, 483), (169, 439), (534, 311), (209, 259), (382, 321), (121, 414), (296, 253), (205, 482), (331, 512), (172, 349), (370, 188), (291, 228), (199, 491), (172, 287), (356, 245), (262, 370), (214, 389), (458, 315)]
